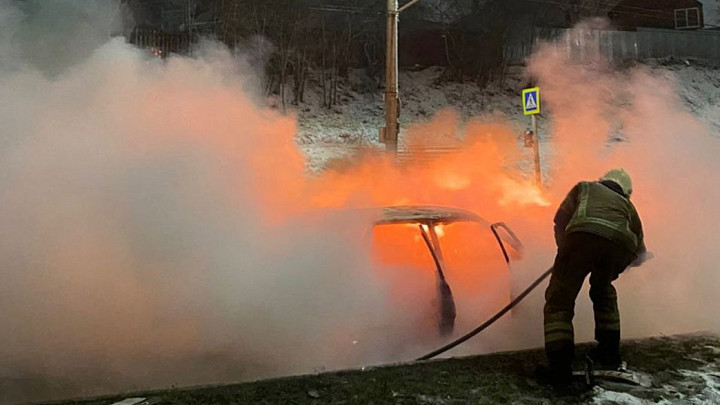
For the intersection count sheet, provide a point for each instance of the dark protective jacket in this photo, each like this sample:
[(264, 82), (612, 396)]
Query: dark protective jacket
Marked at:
[(600, 208)]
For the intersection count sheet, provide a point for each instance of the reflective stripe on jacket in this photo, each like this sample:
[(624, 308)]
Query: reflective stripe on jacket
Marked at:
[(596, 208)]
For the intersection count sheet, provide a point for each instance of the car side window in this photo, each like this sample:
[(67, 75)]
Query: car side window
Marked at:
[(473, 258)]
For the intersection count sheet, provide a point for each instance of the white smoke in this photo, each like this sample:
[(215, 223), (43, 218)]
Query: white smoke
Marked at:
[(138, 247), (135, 243), (672, 158)]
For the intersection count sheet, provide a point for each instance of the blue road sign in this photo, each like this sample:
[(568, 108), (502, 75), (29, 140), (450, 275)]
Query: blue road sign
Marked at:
[(531, 101)]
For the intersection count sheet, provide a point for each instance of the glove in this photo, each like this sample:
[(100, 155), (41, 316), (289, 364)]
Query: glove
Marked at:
[(642, 258)]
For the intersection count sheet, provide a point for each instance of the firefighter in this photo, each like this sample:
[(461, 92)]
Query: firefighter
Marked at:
[(598, 232)]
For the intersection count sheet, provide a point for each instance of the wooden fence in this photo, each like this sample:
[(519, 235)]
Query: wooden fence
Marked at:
[(161, 43)]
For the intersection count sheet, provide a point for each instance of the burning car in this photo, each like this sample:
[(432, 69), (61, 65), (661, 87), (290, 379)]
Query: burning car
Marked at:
[(450, 255)]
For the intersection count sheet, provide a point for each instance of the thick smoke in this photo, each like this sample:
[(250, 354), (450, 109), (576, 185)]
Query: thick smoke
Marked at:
[(602, 117), (53, 35), (158, 228), (136, 245), (672, 157)]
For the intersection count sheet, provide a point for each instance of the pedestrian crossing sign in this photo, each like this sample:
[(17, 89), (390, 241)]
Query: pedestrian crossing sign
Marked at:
[(531, 101)]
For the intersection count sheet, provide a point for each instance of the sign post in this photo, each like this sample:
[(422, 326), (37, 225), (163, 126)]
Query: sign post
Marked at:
[(531, 107)]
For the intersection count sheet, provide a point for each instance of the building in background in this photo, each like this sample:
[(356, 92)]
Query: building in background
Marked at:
[(712, 13), (662, 14)]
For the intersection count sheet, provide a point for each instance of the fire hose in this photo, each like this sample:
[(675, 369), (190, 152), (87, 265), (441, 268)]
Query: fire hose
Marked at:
[(642, 258), (490, 321)]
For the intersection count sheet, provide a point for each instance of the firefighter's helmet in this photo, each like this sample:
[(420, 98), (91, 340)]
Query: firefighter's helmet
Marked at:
[(622, 178)]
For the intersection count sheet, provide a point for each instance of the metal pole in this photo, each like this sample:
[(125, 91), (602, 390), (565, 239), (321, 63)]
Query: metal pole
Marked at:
[(536, 150), (189, 25), (392, 127)]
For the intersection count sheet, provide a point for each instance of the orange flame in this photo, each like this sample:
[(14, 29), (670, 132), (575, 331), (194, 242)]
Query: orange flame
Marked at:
[(481, 175)]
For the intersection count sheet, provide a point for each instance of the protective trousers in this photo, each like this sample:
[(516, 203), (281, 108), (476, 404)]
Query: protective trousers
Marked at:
[(581, 254)]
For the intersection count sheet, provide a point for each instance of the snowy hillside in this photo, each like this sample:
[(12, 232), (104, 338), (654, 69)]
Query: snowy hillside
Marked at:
[(327, 133)]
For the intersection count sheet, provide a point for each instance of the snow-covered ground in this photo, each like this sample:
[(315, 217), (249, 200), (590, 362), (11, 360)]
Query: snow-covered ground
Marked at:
[(354, 122), (701, 385), (700, 89), (328, 133), (681, 369)]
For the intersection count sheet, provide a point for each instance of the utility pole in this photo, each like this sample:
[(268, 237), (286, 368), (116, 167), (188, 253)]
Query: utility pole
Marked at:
[(189, 10), (392, 101)]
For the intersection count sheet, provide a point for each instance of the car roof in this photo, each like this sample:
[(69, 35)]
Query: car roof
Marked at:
[(425, 213)]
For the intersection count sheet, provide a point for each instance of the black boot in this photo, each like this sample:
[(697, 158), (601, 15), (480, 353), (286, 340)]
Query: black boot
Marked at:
[(559, 370), (606, 357), (558, 378)]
